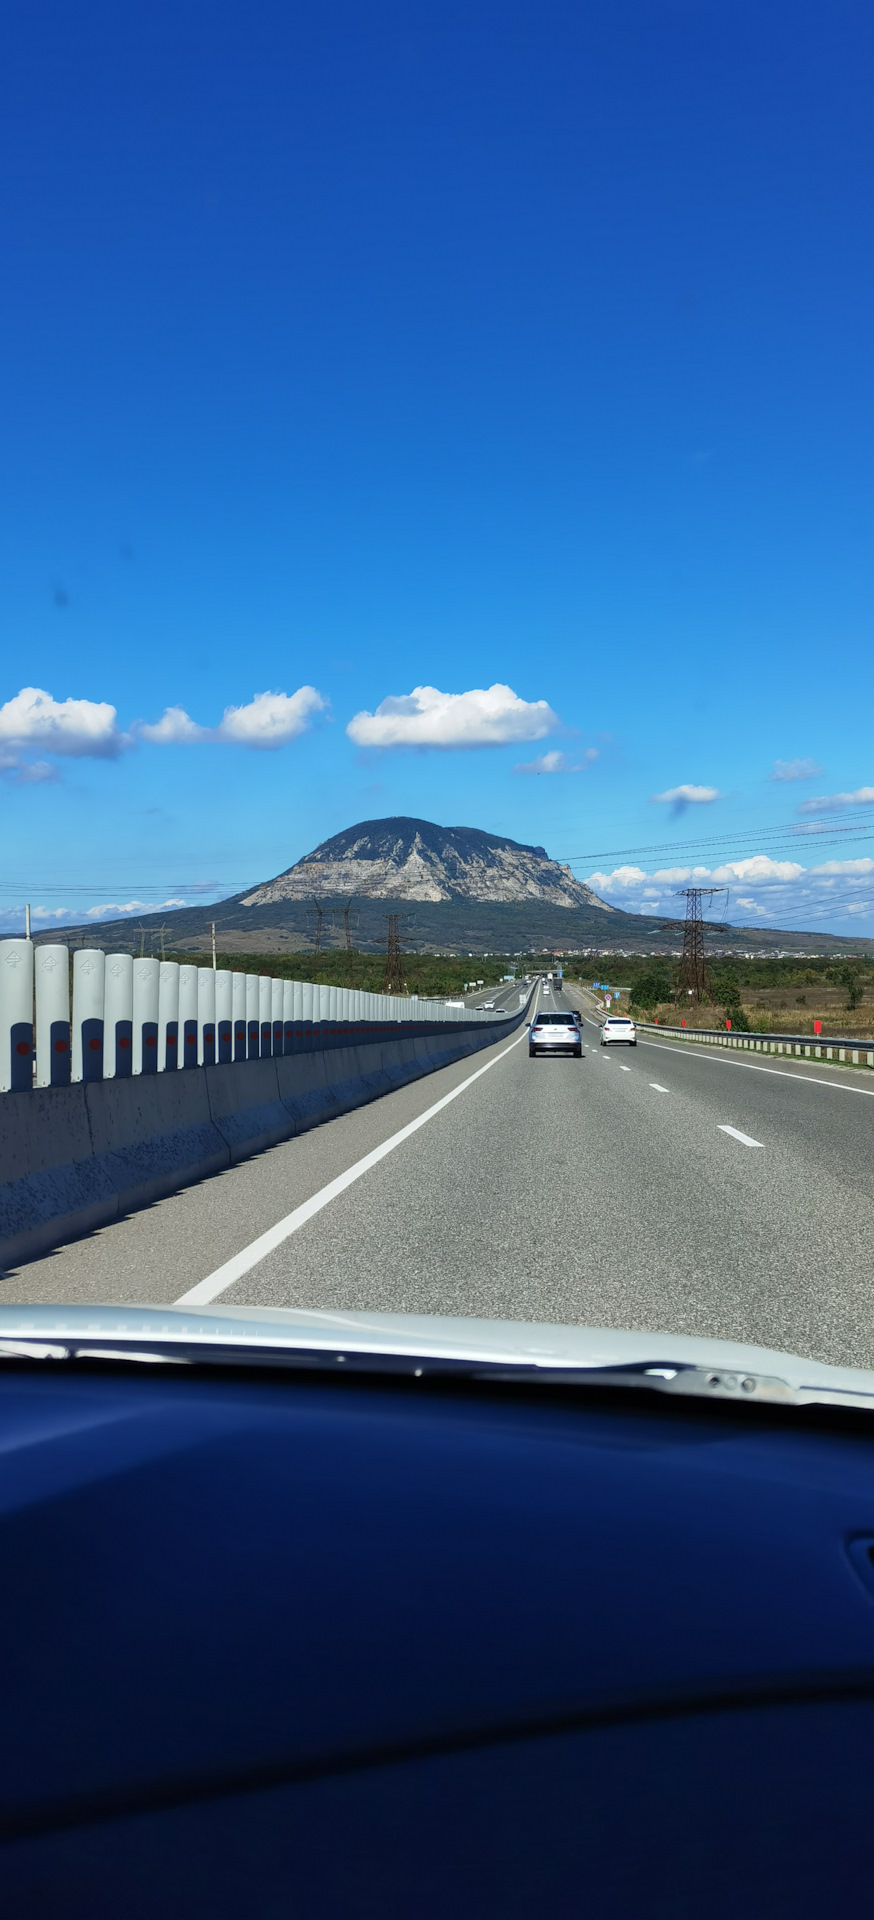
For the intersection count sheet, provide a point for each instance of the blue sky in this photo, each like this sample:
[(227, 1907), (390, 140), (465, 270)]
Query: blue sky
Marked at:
[(361, 349)]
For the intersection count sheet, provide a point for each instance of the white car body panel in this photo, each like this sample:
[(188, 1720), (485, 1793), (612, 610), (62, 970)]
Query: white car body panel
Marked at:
[(437, 1336)]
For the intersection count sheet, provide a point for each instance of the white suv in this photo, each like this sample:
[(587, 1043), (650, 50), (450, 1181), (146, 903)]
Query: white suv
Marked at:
[(554, 1033), (617, 1026)]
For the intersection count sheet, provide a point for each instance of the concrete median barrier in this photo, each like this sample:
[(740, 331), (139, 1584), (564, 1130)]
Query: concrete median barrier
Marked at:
[(53, 1186), (74, 1158), (246, 1107), (154, 1133)]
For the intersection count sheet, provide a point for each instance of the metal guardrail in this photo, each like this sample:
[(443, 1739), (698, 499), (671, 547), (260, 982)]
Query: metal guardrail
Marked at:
[(798, 1045), (140, 1016)]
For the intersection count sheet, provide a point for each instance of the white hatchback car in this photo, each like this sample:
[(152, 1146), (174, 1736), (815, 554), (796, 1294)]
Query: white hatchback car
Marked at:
[(618, 1026)]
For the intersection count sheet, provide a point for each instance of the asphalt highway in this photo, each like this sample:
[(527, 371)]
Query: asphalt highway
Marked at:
[(655, 1187)]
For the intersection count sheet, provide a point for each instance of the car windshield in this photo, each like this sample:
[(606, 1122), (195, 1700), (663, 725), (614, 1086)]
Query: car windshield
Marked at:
[(436, 584)]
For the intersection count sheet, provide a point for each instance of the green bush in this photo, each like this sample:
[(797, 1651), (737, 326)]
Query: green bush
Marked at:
[(651, 989)]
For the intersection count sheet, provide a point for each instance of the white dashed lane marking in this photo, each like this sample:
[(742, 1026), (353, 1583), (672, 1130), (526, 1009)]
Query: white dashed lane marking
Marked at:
[(744, 1138), (656, 1088)]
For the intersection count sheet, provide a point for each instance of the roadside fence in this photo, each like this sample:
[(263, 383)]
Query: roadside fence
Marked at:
[(799, 1045), (140, 1016)]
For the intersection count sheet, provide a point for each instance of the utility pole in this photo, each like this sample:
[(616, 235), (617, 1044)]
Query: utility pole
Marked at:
[(27, 923), (320, 914), (346, 929), (214, 961), (693, 967), (394, 973)]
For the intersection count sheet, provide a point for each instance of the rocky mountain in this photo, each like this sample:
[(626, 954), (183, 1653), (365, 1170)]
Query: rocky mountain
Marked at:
[(457, 890), (403, 859)]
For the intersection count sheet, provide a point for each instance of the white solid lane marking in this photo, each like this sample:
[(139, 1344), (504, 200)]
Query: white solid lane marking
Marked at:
[(656, 1088), (725, 1060), (744, 1138), (216, 1283)]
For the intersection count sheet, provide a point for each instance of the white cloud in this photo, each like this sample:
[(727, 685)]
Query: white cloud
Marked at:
[(12, 917), (687, 796), (760, 867), (787, 894), (80, 728), (175, 728), (630, 877), (795, 769), (33, 773), (75, 728), (112, 908), (862, 867), (271, 719), (832, 802), (620, 877), (483, 717), (556, 762), (680, 876)]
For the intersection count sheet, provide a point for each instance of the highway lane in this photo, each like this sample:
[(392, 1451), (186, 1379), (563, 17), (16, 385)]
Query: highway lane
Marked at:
[(152, 1254), (603, 1191), (504, 997)]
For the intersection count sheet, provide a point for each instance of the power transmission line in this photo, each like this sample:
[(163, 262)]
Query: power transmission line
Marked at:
[(783, 834)]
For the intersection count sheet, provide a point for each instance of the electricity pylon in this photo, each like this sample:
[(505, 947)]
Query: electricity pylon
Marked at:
[(394, 972), (693, 966), (319, 912), (347, 930)]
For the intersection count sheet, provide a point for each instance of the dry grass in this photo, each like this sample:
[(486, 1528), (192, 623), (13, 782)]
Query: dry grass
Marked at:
[(777, 1010)]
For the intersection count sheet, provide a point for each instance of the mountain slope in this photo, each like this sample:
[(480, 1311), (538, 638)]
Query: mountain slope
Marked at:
[(457, 890), (405, 859)]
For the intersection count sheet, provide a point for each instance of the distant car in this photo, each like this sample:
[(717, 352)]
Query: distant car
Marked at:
[(488, 1006), (577, 1016), (554, 1033), (617, 1026)]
